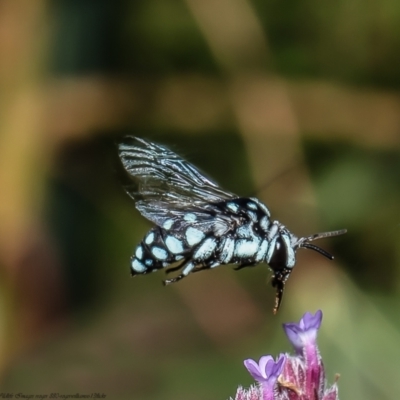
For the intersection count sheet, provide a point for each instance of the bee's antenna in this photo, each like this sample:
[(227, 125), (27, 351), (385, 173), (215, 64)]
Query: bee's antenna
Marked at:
[(318, 249), (305, 242), (323, 235)]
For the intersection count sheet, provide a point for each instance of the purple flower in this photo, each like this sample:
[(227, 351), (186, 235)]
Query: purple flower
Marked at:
[(305, 332), (299, 377), (303, 337), (266, 372)]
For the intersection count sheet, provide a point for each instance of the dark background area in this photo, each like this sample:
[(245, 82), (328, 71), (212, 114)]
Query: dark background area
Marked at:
[(295, 102)]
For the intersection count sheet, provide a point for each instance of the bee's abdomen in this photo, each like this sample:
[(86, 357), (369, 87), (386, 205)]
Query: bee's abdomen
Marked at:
[(157, 250)]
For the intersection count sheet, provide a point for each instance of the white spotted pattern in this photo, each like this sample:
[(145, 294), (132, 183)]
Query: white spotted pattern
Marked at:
[(159, 253), (190, 217), (139, 252), (137, 266), (246, 248), (205, 249), (262, 250), (272, 231), (149, 262), (245, 232), (193, 236), (291, 258), (168, 224), (252, 206), (232, 206), (149, 238), (264, 223), (174, 245), (252, 215)]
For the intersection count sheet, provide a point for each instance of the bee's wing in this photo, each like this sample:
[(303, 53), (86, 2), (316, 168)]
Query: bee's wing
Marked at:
[(164, 185), (207, 220)]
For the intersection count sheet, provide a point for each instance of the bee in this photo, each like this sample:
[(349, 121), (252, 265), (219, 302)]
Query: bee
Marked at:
[(199, 225)]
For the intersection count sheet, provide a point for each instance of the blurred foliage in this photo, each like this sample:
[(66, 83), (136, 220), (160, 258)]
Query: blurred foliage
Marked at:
[(348, 41), (367, 179), (297, 102), (161, 38)]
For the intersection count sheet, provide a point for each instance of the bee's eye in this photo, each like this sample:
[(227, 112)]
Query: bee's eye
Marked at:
[(279, 257)]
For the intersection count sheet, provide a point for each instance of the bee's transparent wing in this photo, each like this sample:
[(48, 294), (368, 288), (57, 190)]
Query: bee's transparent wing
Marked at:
[(163, 184), (207, 220)]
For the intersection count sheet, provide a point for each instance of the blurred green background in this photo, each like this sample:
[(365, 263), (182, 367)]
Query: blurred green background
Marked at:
[(296, 102)]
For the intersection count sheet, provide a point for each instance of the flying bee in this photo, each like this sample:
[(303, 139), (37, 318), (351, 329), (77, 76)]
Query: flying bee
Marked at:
[(199, 225)]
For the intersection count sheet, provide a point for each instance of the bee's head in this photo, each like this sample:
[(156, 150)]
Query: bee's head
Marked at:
[(283, 256)]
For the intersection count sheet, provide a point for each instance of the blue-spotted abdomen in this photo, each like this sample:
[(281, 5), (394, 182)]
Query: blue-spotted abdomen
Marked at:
[(157, 250), (209, 245)]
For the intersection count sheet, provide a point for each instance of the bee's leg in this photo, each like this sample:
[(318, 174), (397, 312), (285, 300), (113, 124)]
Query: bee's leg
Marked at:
[(202, 268), (173, 269), (185, 272), (245, 265)]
